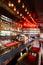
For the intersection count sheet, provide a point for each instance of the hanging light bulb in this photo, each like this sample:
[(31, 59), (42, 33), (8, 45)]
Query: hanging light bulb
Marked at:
[(12, 4), (23, 5), (17, 12), (9, 4), (24, 18), (20, 14), (14, 8), (30, 15), (26, 10), (19, 1)]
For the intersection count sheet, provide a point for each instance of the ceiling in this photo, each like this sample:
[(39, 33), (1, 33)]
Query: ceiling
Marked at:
[(34, 7), (28, 4), (39, 9)]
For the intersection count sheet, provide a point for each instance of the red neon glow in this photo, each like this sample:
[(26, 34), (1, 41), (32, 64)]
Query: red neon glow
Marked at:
[(27, 25), (28, 21), (35, 49), (11, 44), (30, 17), (32, 59)]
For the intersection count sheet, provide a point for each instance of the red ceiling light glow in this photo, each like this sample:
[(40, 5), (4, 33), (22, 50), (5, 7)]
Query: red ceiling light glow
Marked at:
[(33, 20), (28, 21), (30, 15), (27, 25), (22, 16)]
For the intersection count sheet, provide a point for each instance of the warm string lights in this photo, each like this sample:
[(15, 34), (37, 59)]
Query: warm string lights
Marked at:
[(20, 14), (19, 1), (32, 19), (14, 8), (27, 13), (25, 9), (17, 12), (10, 4), (23, 6)]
